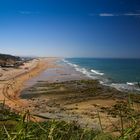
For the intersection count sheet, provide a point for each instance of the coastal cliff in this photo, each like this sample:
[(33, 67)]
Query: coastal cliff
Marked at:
[(8, 60)]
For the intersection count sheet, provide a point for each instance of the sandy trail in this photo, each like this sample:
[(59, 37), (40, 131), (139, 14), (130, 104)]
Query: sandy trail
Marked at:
[(12, 84)]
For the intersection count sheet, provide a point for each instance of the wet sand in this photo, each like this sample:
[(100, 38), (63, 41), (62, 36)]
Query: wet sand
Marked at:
[(12, 81)]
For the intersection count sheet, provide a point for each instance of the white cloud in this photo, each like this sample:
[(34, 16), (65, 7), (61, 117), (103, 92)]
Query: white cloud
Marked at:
[(114, 14), (28, 12), (131, 14), (106, 15), (25, 12)]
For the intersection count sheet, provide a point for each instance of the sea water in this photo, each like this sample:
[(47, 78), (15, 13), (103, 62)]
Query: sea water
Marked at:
[(119, 73)]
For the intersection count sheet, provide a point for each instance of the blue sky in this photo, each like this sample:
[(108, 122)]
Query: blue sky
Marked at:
[(70, 28)]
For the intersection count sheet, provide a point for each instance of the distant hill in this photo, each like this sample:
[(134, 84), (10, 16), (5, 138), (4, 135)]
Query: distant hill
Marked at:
[(8, 60)]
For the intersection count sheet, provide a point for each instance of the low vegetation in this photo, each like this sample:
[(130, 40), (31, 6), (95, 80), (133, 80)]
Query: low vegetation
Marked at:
[(20, 127)]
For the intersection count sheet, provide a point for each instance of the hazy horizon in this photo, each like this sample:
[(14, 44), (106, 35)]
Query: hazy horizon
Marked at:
[(72, 28)]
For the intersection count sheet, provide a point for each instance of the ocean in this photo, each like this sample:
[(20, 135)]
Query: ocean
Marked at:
[(123, 74)]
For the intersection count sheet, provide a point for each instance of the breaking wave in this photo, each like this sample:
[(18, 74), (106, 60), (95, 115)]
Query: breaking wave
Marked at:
[(95, 74), (89, 73)]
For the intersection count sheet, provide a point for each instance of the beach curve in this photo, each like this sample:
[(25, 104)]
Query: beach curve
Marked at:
[(13, 85)]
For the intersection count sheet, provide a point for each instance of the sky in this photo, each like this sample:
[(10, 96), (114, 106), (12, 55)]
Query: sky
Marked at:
[(70, 28)]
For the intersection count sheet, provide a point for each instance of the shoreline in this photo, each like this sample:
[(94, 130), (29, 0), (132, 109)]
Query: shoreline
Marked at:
[(13, 84), (64, 94), (70, 96), (121, 86)]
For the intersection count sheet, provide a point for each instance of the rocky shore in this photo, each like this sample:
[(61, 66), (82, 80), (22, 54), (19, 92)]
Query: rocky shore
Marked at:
[(71, 97)]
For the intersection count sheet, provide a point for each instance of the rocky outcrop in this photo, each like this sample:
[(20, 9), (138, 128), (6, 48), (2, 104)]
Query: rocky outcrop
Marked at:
[(8, 60)]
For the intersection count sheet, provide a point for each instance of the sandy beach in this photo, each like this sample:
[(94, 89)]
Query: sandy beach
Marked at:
[(64, 94), (12, 81), (57, 91)]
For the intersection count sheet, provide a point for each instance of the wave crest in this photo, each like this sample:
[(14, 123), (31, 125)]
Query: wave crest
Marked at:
[(96, 72)]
